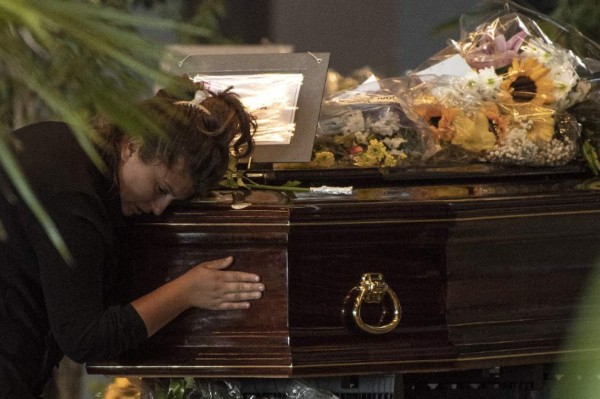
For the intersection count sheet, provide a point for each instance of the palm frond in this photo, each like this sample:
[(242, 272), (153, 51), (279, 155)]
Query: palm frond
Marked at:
[(77, 59), (10, 165)]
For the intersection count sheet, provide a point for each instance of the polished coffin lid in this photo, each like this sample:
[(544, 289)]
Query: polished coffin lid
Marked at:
[(489, 266)]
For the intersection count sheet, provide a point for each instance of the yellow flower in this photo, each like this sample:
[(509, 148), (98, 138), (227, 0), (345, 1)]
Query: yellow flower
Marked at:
[(542, 122), (389, 161), (375, 155), (376, 150), (472, 133), (122, 388), (323, 159), (345, 140), (527, 82)]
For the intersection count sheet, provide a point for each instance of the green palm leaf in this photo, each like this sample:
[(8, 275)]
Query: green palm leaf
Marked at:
[(76, 59)]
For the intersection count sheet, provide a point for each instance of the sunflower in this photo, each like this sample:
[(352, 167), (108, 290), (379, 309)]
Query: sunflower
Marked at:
[(439, 119), (527, 81), (541, 126)]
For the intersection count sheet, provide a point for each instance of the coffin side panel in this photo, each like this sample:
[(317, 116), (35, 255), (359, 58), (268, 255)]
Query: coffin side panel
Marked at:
[(516, 281), (253, 342), (329, 253)]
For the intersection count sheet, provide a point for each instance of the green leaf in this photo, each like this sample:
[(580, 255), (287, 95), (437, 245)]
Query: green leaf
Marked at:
[(294, 183), (176, 388), (591, 157), (68, 60), (11, 166)]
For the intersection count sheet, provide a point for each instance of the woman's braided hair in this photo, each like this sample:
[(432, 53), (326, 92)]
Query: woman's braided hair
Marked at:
[(201, 134)]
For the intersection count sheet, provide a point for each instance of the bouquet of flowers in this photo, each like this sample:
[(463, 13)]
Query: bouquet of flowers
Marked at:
[(366, 126), (504, 92)]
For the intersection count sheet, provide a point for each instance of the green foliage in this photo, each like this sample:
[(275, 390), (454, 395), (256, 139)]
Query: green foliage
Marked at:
[(207, 14), (236, 179), (67, 60), (583, 14)]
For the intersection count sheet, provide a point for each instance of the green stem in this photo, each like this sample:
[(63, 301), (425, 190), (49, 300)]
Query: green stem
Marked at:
[(278, 188), (249, 183), (591, 157)]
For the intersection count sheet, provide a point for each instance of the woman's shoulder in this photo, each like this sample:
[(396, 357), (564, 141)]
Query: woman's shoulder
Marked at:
[(52, 158), (45, 132)]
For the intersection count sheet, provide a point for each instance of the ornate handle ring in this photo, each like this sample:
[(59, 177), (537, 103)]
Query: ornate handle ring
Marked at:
[(373, 289)]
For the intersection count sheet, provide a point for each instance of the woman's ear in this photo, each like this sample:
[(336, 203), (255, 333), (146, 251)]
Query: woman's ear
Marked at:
[(129, 146)]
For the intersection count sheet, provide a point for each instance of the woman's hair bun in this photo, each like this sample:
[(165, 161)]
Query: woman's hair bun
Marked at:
[(181, 88), (202, 130)]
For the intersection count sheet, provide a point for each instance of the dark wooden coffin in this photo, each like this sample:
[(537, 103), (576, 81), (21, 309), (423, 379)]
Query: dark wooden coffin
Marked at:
[(488, 266)]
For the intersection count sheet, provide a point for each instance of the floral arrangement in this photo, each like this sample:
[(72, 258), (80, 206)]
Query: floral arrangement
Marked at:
[(510, 103), (505, 93), (366, 126)]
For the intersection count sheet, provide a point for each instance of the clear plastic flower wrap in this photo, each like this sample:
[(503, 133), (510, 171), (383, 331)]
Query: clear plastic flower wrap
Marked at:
[(504, 92), (170, 388), (214, 389), (366, 126), (297, 389)]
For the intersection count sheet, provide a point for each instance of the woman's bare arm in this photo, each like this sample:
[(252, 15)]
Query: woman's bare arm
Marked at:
[(205, 286)]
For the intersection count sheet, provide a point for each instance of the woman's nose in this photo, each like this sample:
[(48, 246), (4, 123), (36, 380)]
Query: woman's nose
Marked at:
[(159, 205)]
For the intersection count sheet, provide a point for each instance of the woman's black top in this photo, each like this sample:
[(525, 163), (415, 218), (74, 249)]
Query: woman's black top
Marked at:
[(47, 306)]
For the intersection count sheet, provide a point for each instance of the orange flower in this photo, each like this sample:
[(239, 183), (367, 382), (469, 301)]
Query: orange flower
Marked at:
[(445, 125), (497, 121), (439, 119)]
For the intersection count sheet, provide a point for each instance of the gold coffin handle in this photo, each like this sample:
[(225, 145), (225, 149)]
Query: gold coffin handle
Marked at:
[(373, 289)]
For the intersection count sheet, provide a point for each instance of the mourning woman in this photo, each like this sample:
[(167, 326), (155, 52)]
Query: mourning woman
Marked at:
[(49, 306)]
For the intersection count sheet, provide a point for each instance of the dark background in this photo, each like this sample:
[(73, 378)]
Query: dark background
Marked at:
[(389, 36)]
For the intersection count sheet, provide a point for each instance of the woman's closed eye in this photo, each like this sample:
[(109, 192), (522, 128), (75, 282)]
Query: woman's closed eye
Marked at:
[(162, 190)]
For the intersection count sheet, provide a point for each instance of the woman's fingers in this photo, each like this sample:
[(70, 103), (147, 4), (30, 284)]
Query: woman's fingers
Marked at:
[(240, 277), (241, 296), (230, 276), (218, 263), (242, 287), (212, 287)]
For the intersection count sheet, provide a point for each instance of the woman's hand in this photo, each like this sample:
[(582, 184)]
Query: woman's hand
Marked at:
[(209, 286), (205, 286)]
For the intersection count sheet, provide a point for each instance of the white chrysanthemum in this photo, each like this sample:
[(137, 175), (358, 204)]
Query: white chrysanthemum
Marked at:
[(470, 83), (393, 143), (580, 92), (361, 138), (353, 122), (446, 93), (489, 83), (564, 78), (387, 124), (561, 69), (478, 85), (400, 154), (539, 50)]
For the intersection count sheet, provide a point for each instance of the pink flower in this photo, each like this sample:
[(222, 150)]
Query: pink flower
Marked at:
[(355, 149), (497, 52)]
